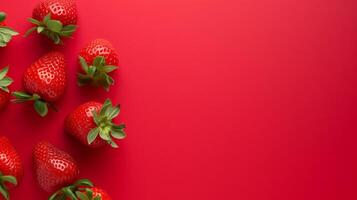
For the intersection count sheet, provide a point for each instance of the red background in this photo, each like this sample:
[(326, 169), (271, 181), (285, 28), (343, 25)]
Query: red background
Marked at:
[(234, 99)]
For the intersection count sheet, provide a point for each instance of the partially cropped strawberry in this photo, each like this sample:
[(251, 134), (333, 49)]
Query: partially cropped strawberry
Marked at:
[(82, 189), (6, 33), (55, 19), (92, 124), (4, 90), (98, 59), (11, 169), (44, 82), (54, 168)]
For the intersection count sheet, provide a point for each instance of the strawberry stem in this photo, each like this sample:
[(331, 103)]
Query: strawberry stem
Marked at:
[(80, 190), (53, 29), (40, 106), (106, 129), (6, 33), (97, 73), (3, 189), (4, 80)]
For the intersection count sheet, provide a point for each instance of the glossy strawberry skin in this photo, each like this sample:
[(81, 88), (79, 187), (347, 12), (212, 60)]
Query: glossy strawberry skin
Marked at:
[(62, 10), (4, 99), (54, 168), (97, 192), (2, 24), (10, 162), (100, 47), (80, 122), (47, 77)]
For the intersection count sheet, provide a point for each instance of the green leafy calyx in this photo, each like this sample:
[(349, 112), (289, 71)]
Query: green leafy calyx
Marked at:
[(106, 129), (40, 105), (96, 73), (6, 33), (4, 80), (6, 179), (80, 190), (53, 29)]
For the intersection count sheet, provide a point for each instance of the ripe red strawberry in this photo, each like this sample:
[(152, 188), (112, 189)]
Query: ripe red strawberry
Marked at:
[(11, 170), (44, 82), (54, 168), (4, 91), (98, 59), (82, 189), (93, 119), (6, 33), (55, 19)]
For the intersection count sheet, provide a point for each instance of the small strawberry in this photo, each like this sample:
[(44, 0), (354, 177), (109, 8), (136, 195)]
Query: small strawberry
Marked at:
[(4, 90), (93, 119), (44, 82), (11, 170), (98, 59), (82, 189), (55, 19), (6, 33), (54, 168)]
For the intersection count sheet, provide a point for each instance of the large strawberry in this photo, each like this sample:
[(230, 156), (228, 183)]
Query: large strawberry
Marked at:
[(4, 90), (98, 59), (92, 124), (54, 168), (55, 19), (6, 33), (82, 189), (11, 170), (44, 82)]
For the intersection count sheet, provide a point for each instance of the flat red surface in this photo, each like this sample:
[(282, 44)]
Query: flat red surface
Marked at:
[(235, 99)]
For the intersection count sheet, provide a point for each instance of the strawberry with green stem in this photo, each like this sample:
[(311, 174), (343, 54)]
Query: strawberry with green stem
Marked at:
[(4, 90), (55, 19), (81, 190), (44, 82), (6, 33), (98, 60), (92, 124), (11, 168)]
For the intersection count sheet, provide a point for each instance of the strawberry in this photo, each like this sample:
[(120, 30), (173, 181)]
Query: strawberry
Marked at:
[(4, 91), (55, 19), (11, 170), (98, 59), (6, 33), (93, 119), (44, 82), (54, 168), (82, 189)]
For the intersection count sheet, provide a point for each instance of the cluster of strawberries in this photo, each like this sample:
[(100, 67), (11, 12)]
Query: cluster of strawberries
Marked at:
[(44, 82)]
